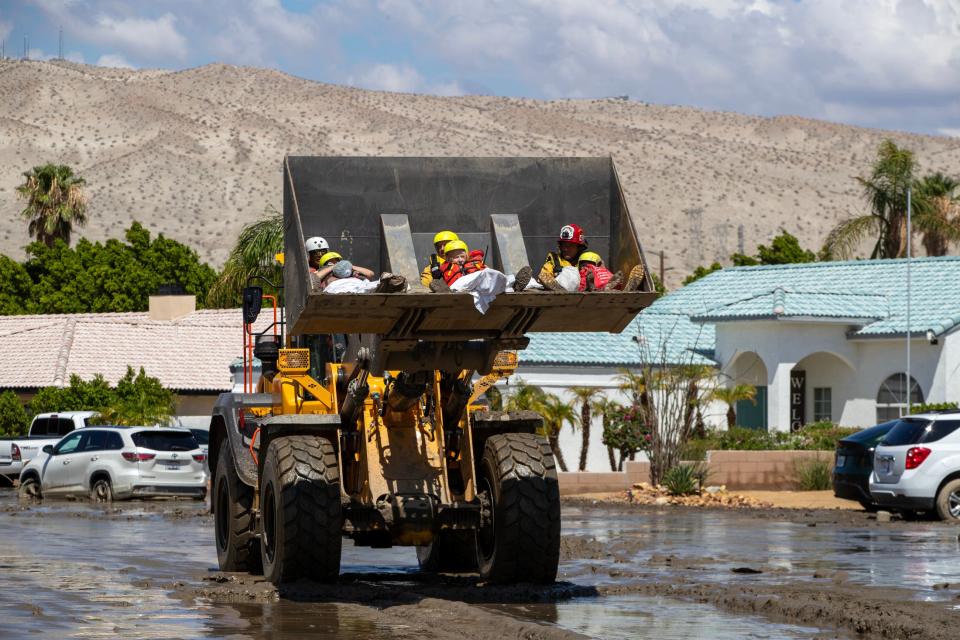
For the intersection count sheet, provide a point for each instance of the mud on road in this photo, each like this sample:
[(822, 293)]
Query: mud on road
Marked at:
[(149, 570)]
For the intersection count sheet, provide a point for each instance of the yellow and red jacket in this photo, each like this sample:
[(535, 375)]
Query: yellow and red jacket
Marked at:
[(452, 271)]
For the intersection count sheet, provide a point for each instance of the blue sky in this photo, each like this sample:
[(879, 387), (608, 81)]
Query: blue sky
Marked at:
[(881, 63)]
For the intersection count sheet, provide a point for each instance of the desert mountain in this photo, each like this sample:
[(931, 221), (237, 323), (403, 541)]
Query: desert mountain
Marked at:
[(196, 154)]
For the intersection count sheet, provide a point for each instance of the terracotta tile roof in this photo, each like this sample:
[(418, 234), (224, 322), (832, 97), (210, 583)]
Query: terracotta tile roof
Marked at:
[(192, 353)]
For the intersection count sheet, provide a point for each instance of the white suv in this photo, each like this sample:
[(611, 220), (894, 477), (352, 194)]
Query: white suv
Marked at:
[(916, 467), (109, 463)]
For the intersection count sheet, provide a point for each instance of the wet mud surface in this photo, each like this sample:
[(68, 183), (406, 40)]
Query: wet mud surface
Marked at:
[(148, 569)]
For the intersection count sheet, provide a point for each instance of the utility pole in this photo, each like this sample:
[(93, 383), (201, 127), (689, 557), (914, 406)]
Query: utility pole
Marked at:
[(740, 242), (60, 56), (909, 242), (26, 48)]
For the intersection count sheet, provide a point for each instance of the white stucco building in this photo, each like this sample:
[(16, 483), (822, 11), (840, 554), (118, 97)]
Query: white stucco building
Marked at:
[(819, 341)]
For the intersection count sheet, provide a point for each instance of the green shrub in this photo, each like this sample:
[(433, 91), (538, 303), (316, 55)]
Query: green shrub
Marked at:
[(819, 436), (812, 474), (933, 406), (13, 417), (685, 479)]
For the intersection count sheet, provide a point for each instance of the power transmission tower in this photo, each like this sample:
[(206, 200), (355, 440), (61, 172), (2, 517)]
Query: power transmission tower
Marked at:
[(60, 56), (720, 232), (740, 243), (26, 47), (695, 234)]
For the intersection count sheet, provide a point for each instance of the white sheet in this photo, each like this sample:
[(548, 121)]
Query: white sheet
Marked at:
[(351, 285), (569, 278), (483, 285)]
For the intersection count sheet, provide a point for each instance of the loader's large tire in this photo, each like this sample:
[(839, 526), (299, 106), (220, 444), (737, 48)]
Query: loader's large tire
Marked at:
[(452, 551), (300, 509), (238, 549), (519, 478)]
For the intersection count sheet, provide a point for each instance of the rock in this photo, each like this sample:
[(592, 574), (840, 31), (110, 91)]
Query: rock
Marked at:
[(662, 500), (713, 489), (883, 516)]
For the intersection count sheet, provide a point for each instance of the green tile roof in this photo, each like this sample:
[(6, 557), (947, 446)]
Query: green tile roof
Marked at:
[(869, 294)]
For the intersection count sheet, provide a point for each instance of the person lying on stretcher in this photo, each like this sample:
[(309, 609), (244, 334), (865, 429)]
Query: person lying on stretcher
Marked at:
[(464, 270), (337, 275)]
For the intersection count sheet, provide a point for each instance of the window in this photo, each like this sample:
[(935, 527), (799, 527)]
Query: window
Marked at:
[(40, 426), (822, 406), (165, 440), (203, 437), (913, 431), (69, 444), (64, 426), (114, 441), (892, 397)]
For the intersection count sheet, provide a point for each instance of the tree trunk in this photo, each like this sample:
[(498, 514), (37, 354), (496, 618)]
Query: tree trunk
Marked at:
[(731, 417), (555, 445), (620, 461), (613, 459), (585, 434)]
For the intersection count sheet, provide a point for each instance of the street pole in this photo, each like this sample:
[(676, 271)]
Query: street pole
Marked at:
[(661, 266), (909, 238)]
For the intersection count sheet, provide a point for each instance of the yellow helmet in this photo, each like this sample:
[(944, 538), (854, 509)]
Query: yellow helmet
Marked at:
[(328, 256), (454, 245), (589, 256), (445, 236)]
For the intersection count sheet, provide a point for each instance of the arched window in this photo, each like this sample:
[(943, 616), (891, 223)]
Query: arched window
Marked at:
[(892, 397)]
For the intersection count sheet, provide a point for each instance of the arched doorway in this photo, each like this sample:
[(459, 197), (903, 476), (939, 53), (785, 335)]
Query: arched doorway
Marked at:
[(748, 368), (820, 387), (892, 397)]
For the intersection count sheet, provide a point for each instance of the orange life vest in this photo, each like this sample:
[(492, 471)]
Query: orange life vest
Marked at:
[(453, 271)]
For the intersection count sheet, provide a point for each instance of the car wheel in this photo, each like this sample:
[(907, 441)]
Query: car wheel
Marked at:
[(948, 501), (101, 491), (29, 490)]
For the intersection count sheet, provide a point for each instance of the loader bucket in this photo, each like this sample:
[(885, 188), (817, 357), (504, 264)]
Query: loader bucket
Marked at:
[(382, 213)]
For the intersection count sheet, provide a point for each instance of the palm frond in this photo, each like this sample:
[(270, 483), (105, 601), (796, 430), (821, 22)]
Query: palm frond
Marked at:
[(845, 238)]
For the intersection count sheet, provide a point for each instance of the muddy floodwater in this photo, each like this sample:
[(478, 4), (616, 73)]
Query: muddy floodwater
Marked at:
[(148, 570)]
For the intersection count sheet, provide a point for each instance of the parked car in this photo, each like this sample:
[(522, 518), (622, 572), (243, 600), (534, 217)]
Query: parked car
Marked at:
[(917, 465), (854, 464), (46, 428), (199, 426), (107, 463)]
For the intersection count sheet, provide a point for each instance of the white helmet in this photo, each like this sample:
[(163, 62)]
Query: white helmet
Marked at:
[(316, 243)]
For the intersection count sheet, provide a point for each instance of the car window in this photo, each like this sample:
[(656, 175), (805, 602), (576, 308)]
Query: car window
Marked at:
[(114, 441), (64, 426), (165, 440), (95, 441), (39, 427), (69, 444), (906, 431), (939, 429), (202, 437)]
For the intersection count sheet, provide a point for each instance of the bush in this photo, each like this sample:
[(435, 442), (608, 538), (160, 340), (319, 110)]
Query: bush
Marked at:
[(685, 479), (934, 406), (820, 436), (812, 474), (13, 417)]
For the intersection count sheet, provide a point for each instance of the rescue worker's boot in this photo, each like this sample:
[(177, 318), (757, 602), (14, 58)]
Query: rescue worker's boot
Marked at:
[(522, 279), (550, 283), (437, 285), (635, 280), (614, 283), (391, 283)]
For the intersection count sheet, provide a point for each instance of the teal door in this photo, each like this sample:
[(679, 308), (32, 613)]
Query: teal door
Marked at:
[(753, 414)]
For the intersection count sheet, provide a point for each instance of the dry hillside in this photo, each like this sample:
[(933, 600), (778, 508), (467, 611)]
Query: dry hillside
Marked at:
[(196, 154)]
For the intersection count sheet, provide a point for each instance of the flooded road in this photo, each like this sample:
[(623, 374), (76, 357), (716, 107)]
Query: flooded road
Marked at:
[(148, 570)]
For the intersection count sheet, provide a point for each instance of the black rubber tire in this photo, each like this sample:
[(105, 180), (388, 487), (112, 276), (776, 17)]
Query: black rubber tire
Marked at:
[(238, 548), (452, 551), (869, 507), (300, 509), (949, 489), (101, 490), (523, 542), (30, 490)]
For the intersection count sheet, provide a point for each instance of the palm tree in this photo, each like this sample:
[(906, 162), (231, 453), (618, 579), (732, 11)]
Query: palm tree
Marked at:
[(940, 221), (602, 406), (252, 255), (55, 202), (731, 396), (584, 396), (886, 192), (526, 397), (555, 412)]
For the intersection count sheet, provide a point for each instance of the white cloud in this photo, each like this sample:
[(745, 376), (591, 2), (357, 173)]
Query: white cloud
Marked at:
[(948, 131), (388, 77), (114, 60), (5, 29)]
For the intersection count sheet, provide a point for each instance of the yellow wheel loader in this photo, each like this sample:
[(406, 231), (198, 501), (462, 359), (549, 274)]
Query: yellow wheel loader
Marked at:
[(366, 422)]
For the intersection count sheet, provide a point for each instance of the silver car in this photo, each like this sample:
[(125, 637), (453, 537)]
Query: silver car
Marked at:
[(107, 463)]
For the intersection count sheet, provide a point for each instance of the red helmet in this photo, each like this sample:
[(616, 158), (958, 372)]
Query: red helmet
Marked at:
[(572, 233)]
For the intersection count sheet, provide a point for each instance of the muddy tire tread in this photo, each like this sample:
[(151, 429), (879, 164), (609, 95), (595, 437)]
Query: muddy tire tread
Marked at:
[(527, 547), (312, 521), (244, 552), (943, 500)]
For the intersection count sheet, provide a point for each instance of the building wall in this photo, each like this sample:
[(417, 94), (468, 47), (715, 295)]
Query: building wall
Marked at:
[(853, 369)]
